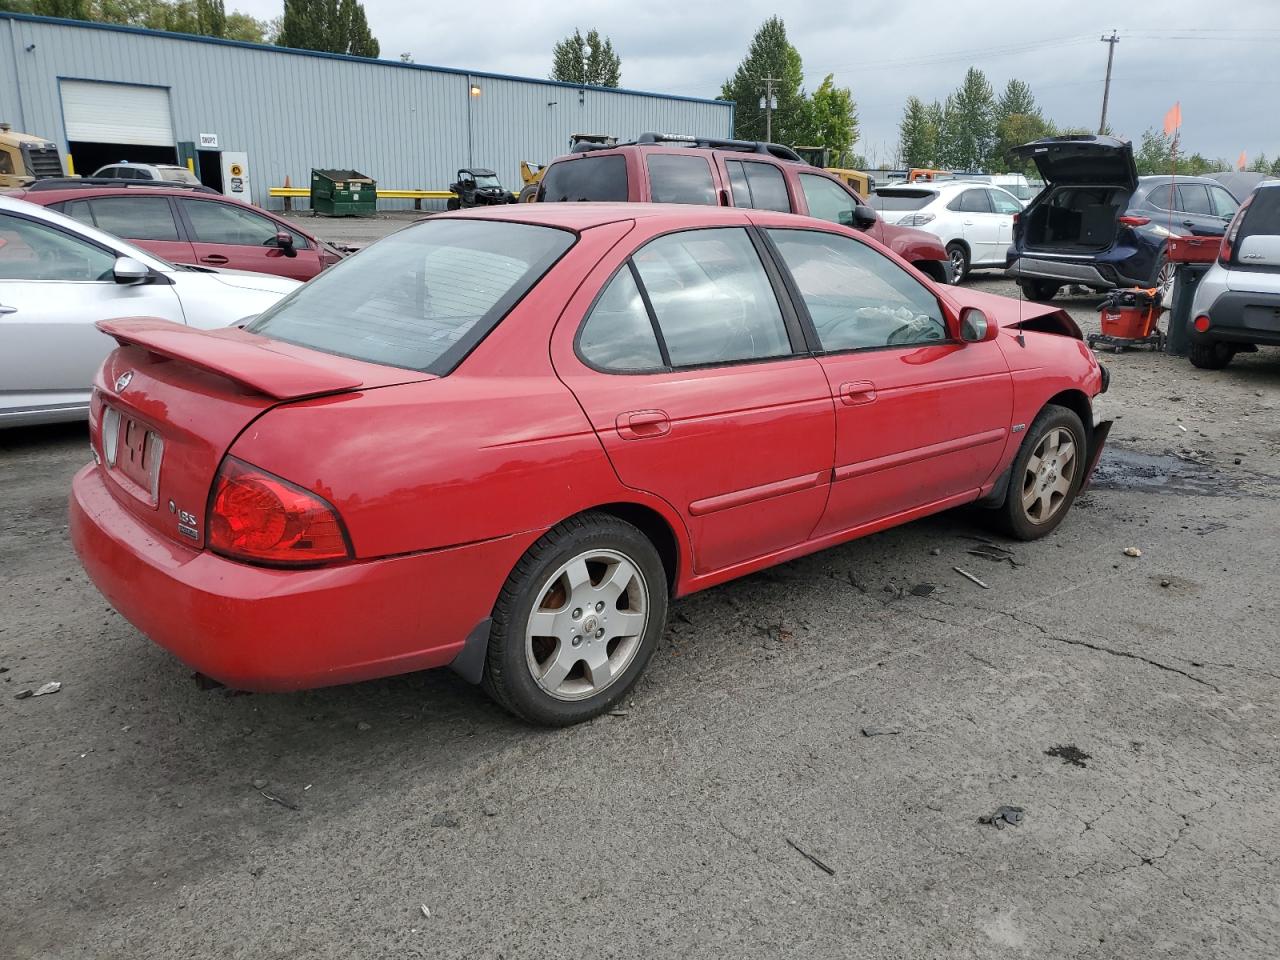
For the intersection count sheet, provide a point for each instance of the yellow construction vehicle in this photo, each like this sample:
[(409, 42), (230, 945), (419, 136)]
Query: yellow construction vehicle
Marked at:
[(531, 173), (25, 158), (861, 183)]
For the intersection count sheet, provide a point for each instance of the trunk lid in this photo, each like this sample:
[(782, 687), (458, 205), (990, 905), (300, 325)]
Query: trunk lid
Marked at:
[(170, 400), (1082, 160)]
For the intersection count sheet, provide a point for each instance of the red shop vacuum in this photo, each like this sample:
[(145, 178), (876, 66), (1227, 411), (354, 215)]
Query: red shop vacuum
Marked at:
[(1129, 318)]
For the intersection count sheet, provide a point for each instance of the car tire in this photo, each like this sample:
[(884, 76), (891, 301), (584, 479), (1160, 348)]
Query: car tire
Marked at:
[(1042, 483), (1210, 356), (1043, 290), (1164, 279), (959, 256), (529, 193), (579, 576), (453, 203)]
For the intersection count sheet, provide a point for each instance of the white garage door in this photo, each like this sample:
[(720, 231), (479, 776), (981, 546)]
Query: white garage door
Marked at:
[(117, 113)]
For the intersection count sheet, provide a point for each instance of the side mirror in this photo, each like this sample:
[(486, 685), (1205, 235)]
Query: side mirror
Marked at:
[(976, 326), (284, 240), (130, 271), (864, 217)]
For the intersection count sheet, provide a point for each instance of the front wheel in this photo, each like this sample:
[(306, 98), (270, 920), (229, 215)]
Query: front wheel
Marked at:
[(577, 621), (1045, 476), (453, 203), (959, 258), (1039, 289)]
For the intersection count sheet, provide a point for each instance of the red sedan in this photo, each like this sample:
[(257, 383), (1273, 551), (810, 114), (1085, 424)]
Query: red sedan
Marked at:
[(190, 226), (502, 439)]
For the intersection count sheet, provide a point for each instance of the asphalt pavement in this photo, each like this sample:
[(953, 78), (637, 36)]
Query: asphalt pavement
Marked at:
[(803, 772)]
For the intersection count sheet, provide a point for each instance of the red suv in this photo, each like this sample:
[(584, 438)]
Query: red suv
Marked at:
[(189, 225), (661, 168)]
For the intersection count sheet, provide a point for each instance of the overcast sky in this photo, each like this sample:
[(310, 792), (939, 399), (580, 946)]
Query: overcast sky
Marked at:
[(1220, 59)]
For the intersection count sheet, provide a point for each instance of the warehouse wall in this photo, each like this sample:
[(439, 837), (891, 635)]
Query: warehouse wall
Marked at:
[(406, 125)]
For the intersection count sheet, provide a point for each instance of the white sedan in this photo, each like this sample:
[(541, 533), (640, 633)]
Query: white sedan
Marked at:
[(59, 277), (973, 220)]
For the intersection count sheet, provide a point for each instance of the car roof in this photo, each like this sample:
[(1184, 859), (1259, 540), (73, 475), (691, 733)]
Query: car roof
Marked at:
[(583, 216), (1154, 179)]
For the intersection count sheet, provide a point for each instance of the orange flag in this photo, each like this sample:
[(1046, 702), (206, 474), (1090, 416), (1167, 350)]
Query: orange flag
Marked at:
[(1240, 164), (1173, 119)]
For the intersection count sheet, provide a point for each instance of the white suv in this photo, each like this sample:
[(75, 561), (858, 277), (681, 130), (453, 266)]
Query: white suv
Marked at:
[(1237, 304), (163, 172), (973, 220)]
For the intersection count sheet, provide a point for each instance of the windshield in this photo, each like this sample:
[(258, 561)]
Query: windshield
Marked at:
[(420, 298), (489, 181), (901, 199)]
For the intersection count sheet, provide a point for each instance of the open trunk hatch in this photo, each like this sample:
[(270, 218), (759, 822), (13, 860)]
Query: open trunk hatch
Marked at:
[(1082, 160), (171, 400), (1076, 218)]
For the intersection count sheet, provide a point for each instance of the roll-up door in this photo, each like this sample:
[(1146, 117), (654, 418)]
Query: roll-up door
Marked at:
[(117, 113)]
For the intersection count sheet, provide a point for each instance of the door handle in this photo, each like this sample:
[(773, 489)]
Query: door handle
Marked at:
[(857, 392), (643, 424), (7, 310), (215, 258), (1188, 223), (968, 223)]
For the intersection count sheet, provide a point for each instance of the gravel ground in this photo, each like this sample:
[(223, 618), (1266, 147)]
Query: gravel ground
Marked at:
[(1129, 706)]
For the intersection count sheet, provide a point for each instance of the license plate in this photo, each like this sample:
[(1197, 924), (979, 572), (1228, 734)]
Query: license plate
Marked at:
[(137, 456)]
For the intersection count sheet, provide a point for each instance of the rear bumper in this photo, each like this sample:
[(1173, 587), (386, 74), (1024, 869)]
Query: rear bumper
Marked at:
[(263, 629), (1104, 272), (1239, 317)]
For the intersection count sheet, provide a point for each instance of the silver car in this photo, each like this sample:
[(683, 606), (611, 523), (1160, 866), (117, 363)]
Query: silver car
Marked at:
[(1237, 305), (59, 277), (166, 172)]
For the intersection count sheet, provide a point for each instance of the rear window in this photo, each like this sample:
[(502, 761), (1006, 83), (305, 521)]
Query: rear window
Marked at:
[(677, 179), (421, 298), (1263, 216), (901, 199), (601, 179)]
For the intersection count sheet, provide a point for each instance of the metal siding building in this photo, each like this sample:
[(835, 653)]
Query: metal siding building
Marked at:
[(406, 125)]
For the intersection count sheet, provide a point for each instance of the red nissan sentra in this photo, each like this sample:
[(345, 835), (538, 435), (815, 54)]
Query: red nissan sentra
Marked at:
[(502, 440)]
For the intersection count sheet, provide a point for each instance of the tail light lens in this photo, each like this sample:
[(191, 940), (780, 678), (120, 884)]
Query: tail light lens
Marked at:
[(916, 220), (1231, 233), (1135, 221), (259, 517)]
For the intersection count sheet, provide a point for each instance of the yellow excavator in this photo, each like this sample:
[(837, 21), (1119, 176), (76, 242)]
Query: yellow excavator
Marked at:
[(861, 183), (531, 173), (25, 158)]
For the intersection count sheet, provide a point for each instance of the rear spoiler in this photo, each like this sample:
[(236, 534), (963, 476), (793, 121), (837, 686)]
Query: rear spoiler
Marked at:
[(232, 353)]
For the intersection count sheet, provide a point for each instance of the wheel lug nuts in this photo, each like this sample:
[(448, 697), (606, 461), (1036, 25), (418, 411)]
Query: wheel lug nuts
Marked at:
[(577, 640), (599, 634), (577, 613), (599, 606)]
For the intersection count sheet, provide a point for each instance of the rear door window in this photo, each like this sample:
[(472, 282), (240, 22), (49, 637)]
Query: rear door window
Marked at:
[(972, 201), (136, 218), (758, 185), (1224, 204), (420, 298), (1194, 198), (680, 179), (225, 223), (712, 298), (602, 179)]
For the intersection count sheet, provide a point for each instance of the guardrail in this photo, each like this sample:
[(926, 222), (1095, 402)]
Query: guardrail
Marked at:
[(417, 196)]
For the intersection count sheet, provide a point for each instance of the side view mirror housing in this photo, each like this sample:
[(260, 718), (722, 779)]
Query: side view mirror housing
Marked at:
[(864, 217), (284, 240), (129, 271), (976, 326)]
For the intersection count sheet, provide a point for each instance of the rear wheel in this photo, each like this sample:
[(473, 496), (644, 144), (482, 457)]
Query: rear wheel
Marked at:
[(1039, 289), (577, 621), (529, 193), (453, 203), (1163, 280), (1045, 476), (959, 257), (1210, 356)]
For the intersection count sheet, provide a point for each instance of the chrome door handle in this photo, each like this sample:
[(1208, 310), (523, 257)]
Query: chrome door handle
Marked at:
[(4, 309)]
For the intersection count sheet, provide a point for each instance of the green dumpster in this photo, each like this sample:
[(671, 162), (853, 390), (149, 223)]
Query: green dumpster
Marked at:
[(343, 193)]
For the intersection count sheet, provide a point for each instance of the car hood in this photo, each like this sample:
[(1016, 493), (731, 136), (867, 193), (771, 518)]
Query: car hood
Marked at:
[(1017, 314), (1082, 159)]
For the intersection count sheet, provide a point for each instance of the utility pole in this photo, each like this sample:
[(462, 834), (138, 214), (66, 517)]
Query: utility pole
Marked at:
[(768, 106), (1111, 42)]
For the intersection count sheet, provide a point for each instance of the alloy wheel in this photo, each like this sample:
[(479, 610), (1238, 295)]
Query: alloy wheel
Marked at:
[(958, 265), (1164, 281), (1049, 475), (586, 624)]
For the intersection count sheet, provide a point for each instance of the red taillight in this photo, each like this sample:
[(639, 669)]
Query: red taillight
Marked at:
[(1202, 323), (1135, 221), (1230, 234), (257, 516)]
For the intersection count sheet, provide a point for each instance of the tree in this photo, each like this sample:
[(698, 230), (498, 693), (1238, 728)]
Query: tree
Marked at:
[(972, 128), (1261, 164), (917, 135), (1018, 120), (331, 26), (201, 17), (770, 55), (832, 120), (1155, 155), (570, 62), (241, 26)]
